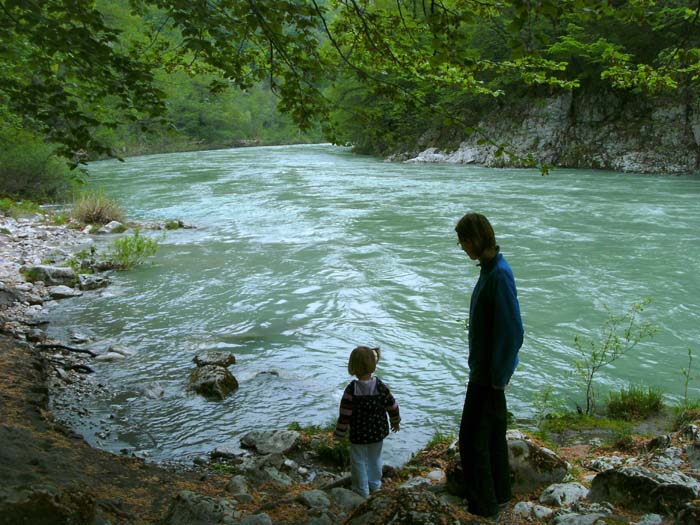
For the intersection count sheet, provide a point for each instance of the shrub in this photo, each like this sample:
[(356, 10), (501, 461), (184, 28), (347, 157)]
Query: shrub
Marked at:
[(635, 402), (686, 414), (30, 170), (132, 250), (94, 207)]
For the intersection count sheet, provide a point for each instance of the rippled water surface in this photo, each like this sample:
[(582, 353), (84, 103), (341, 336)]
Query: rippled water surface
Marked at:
[(300, 253)]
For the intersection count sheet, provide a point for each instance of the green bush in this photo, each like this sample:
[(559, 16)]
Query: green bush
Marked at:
[(634, 402), (132, 250), (30, 170), (686, 414), (94, 207)]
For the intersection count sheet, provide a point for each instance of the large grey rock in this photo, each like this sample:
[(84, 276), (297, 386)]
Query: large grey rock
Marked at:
[(346, 499), (563, 494), (315, 499), (224, 359), (270, 441), (644, 489), (214, 382), (533, 467), (190, 508), (49, 275)]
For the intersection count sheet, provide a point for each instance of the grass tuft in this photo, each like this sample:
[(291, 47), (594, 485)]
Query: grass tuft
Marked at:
[(94, 207), (634, 402)]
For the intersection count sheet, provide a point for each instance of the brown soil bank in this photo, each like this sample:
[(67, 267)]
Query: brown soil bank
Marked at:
[(49, 475)]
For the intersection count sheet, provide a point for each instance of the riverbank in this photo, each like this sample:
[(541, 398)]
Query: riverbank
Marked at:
[(51, 475)]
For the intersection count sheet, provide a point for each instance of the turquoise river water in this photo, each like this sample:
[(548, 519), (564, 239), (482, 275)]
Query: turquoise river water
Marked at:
[(301, 253)]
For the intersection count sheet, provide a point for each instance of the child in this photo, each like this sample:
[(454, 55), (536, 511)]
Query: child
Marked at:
[(364, 407)]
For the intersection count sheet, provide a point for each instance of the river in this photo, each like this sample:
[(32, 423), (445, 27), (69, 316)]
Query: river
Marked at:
[(301, 253)]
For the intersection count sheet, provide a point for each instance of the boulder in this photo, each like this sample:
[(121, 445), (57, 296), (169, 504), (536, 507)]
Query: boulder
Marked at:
[(270, 441), (190, 508), (213, 358), (49, 275), (214, 382), (63, 292), (644, 489), (563, 494), (533, 467), (402, 506)]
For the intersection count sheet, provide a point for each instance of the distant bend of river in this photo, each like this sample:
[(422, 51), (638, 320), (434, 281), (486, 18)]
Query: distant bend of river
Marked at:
[(300, 253)]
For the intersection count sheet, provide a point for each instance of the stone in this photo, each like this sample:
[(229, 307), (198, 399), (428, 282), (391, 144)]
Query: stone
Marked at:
[(563, 494), (213, 382), (89, 281), (533, 467), (346, 499), (315, 499), (256, 519), (644, 489), (584, 519), (190, 508), (49, 275), (224, 359), (270, 441), (112, 227), (63, 292)]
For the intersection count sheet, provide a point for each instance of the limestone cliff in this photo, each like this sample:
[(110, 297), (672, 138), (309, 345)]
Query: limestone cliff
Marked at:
[(602, 130)]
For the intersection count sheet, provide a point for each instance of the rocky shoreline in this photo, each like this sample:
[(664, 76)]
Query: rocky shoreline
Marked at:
[(51, 475)]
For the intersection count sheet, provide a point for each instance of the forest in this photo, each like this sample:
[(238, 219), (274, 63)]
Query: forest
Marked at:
[(82, 79)]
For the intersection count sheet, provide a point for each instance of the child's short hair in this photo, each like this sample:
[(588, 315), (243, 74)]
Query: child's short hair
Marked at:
[(363, 360)]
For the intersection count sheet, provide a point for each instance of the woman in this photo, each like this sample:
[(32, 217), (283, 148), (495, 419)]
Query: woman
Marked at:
[(495, 336)]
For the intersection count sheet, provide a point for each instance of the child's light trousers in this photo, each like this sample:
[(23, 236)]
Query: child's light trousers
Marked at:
[(366, 467)]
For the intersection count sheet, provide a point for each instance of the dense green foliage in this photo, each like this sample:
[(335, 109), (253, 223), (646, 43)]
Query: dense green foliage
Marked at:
[(94, 77)]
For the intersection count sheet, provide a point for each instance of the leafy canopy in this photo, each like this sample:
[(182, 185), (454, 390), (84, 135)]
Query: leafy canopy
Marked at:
[(63, 64)]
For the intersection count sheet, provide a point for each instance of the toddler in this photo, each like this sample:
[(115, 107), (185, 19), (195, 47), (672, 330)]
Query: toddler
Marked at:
[(364, 407)]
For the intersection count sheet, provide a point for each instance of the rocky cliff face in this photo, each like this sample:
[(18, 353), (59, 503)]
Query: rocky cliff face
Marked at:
[(613, 130)]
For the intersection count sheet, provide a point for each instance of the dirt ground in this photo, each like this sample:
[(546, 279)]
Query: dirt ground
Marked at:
[(69, 480)]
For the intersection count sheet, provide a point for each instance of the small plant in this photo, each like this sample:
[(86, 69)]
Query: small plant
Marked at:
[(132, 250), (547, 404), (618, 336), (687, 377), (94, 207), (635, 402), (329, 450), (440, 439)]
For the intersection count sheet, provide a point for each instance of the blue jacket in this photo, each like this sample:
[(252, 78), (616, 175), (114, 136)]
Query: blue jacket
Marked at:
[(495, 326)]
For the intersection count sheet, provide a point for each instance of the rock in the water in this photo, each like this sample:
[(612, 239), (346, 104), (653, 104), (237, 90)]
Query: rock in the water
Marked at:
[(214, 382), (63, 292), (112, 227), (270, 441), (224, 359), (88, 281)]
